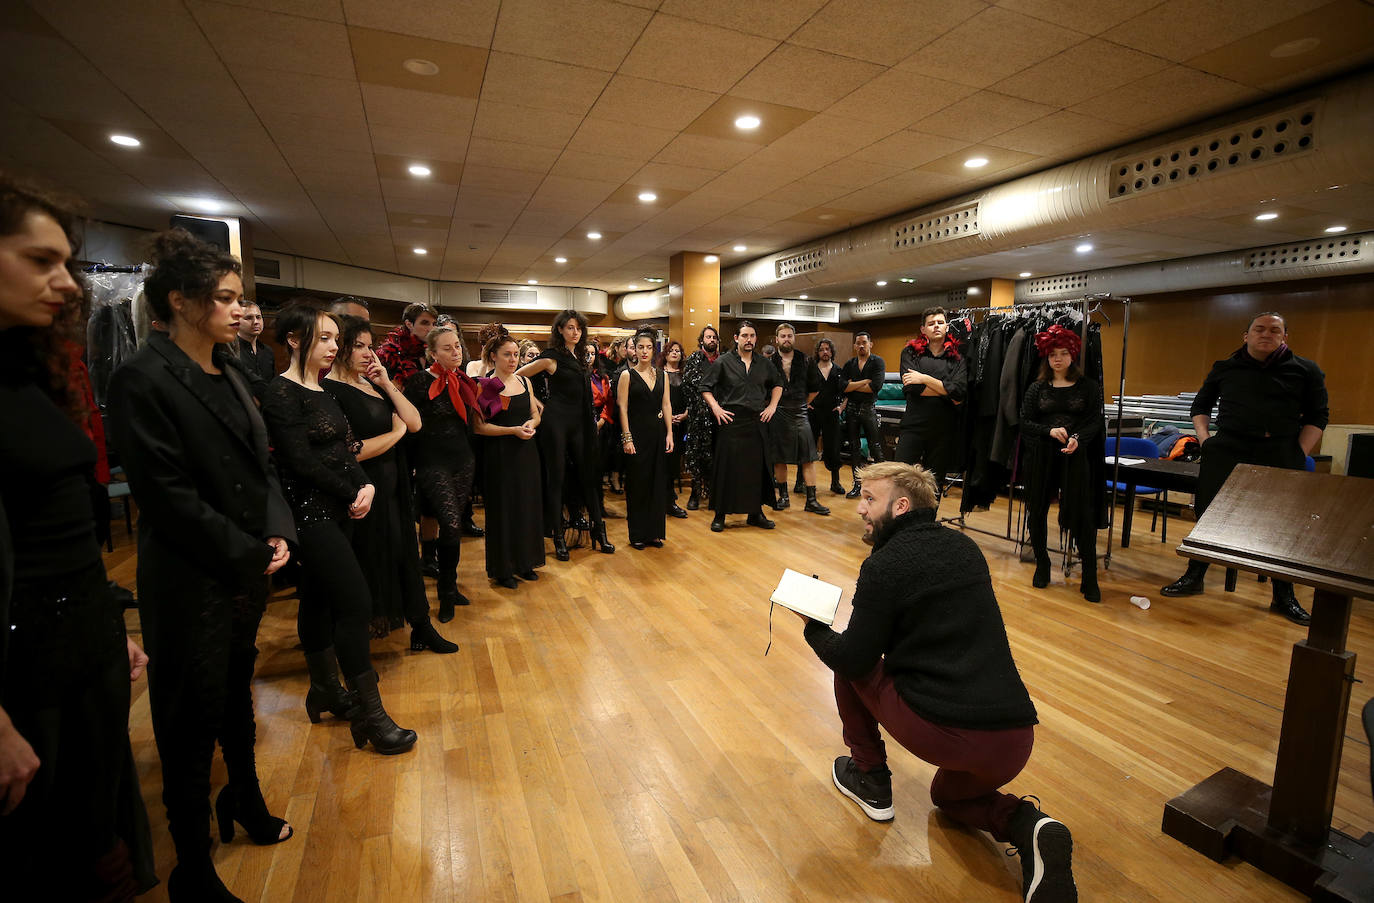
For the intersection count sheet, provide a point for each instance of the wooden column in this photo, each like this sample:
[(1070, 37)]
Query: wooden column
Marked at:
[(693, 297), (999, 293)]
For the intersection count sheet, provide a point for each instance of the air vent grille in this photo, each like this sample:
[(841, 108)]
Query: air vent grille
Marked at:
[(869, 308), (1278, 135), (508, 297), (956, 297), (807, 261), (1281, 257), (811, 311), (958, 222), (763, 309), (1057, 285), (266, 268)]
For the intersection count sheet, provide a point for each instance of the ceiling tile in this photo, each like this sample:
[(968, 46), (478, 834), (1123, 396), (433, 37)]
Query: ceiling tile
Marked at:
[(460, 21), (289, 127), (1060, 133), (693, 54), (268, 89), (564, 190), (249, 39), (982, 115), (990, 46), (47, 75), (1089, 16), (509, 154), (908, 148), (511, 181), (327, 10), (582, 165), (418, 145), (430, 200), (805, 78), (541, 84), (642, 102), (718, 120), (1167, 98), (523, 125), (853, 174), (1181, 29), (550, 224), (594, 33), (1335, 31), (378, 57), (407, 108), (671, 175), (705, 152), (771, 18), (603, 136), (1082, 72), (899, 97), (882, 31)]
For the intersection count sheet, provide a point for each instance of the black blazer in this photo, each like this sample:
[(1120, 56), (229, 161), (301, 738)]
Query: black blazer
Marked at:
[(208, 497)]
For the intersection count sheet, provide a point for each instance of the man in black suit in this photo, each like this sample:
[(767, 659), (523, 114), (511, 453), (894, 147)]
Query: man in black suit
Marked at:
[(259, 363)]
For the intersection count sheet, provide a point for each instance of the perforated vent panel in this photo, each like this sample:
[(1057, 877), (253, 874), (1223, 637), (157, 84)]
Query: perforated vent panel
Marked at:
[(1277, 135), (507, 296), (1281, 257), (868, 308), (807, 261), (958, 222), (956, 297), (763, 308), (1057, 285)]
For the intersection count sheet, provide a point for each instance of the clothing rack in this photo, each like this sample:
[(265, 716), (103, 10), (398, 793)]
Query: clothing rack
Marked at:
[(111, 268)]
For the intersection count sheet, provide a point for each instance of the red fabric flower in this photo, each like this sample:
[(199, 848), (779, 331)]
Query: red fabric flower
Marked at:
[(1058, 337)]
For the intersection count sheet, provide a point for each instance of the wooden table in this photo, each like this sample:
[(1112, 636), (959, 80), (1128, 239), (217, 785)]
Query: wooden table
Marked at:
[(1159, 473)]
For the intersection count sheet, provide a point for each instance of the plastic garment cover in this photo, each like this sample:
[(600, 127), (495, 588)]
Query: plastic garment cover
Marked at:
[(110, 336)]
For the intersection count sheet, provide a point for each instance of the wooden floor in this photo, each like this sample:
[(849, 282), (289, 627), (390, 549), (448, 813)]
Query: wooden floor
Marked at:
[(614, 732)]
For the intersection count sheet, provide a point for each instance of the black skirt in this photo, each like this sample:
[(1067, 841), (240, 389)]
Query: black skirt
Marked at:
[(743, 474)]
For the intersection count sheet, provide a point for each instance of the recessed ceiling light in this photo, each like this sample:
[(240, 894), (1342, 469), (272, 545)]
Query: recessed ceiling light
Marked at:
[(417, 66), (653, 278), (560, 260), (205, 205), (125, 140), (594, 236), (1334, 229), (748, 123), (1025, 275), (880, 283), (1083, 248), (421, 251), (633, 285), (1265, 217), (853, 299), (906, 279), (711, 258), (740, 248), (648, 197), (801, 297), (418, 170), (973, 290), (976, 162), (825, 216), (531, 281), (1294, 48)]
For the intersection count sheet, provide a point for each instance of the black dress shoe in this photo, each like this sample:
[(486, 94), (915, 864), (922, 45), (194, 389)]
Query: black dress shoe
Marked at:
[(835, 486), (693, 501), (470, 528), (637, 546), (507, 582), (1286, 604), (529, 575), (656, 543), (758, 520), (718, 525), (676, 511), (1187, 585)]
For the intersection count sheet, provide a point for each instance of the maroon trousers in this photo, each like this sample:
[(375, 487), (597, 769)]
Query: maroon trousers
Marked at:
[(972, 764)]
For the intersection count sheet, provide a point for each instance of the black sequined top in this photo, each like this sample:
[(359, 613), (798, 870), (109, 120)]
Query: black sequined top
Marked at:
[(315, 451)]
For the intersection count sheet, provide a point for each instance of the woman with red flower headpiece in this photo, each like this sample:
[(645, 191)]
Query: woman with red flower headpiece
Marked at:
[(935, 381), (1061, 419)]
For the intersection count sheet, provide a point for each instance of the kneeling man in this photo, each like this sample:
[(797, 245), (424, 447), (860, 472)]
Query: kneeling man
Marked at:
[(925, 656)]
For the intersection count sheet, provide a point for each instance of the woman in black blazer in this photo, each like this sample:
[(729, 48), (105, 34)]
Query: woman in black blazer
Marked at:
[(212, 525)]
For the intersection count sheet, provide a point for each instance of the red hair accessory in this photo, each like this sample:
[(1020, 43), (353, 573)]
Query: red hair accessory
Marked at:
[(1058, 337)]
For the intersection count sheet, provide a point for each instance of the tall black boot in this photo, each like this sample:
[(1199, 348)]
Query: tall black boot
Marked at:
[(560, 545), (325, 693), (429, 561), (1087, 552), (447, 583), (371, 722), (1190, 584), (1039, 539), (783, 500), (812, 505)]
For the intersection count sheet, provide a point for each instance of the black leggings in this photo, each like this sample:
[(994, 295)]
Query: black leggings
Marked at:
[(825, 426), (563, 445), (335, 604)]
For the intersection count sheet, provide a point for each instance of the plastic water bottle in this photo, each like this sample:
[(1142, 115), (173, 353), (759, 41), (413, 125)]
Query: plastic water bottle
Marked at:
[(1140, 602)]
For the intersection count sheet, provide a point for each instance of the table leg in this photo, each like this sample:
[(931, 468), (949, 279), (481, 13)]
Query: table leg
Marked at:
[(1126, 518)]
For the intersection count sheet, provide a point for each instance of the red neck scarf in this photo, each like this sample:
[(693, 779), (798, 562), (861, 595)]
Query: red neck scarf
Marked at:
[(462, 391), (921, 343)]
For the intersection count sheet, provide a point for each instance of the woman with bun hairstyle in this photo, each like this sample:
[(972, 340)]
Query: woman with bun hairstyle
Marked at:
[(327, 489), (212, 526)]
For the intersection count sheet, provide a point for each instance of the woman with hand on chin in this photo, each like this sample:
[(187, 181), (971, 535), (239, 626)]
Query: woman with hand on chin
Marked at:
[(508, 418), (327, 490), (384, 541)]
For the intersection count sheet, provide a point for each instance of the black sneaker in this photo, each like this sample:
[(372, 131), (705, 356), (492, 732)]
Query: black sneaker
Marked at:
[(1046, 850), (872, 790)]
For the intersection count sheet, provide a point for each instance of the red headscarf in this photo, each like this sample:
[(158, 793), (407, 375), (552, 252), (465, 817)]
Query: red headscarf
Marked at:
[(462, 390), (1058, 337)]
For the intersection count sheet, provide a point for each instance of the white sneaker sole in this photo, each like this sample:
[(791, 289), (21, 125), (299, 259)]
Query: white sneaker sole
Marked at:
[(1052, 878), (870, 811)]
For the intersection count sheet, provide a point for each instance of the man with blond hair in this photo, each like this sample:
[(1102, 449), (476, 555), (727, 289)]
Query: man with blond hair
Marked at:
[(925, 655)]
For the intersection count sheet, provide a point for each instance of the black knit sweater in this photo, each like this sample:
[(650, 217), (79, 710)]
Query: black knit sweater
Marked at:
[(924, 605)]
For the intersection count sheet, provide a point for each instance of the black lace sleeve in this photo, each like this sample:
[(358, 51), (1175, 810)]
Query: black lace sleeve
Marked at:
[(1031, 424), (312, 441), (1089, 425)]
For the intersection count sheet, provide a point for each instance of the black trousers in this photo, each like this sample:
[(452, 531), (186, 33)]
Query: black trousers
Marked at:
[(863, 416), (335, 604), (914, 446), (825, 426), (565, 447)]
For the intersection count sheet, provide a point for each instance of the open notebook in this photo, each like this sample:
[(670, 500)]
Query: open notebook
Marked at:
[(805, 595)]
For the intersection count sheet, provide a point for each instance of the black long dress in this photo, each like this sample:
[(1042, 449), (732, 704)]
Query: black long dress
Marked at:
[(646, 508), (384, 541), (515, 526), (567, 438), (677, 396)]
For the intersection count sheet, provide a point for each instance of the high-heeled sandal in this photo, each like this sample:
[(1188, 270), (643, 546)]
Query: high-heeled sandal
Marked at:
[(244, 804)]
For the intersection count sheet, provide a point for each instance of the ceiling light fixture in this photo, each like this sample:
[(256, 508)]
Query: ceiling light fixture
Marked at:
[(421, 251), (973, 290), (531, 281), (205, 205), (853, 299), (634, 285), (1332, 230), (1025, 275), (125, 140), (906, 279), (420, 171), (976, 162), (880, 283), (560, 260), (801, 297), (417, 66), (1083, 248), (739, 248), (1265, 217), (648, 197), (711, 258), (594, 236), (748, 123)]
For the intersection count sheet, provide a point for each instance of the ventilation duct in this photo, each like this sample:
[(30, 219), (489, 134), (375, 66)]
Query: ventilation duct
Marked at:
[(782, 309), (642, 305), (1293, 144), (909, 306)]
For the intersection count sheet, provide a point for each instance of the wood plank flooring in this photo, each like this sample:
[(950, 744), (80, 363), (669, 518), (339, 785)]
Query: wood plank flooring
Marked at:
[(614, 732)]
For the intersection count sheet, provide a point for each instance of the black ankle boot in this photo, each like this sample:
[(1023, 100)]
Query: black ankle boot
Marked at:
[(812, 505), (424, 636), (800, 486), (325, 693), (599, 541), (694, 500), (835, 486), (1042, 571), (783, 500), (371, 722), (1190, 584), (447, 584), (429, 560), (560, 546), (854, 493), (1088, 585)]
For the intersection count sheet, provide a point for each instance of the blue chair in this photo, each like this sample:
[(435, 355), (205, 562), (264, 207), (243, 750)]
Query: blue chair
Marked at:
[(119, 491), (1132, 447)]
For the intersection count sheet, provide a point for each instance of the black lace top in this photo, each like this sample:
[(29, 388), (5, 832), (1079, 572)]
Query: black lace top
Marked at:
[(443, 439), (1077, 408), (315, 451)]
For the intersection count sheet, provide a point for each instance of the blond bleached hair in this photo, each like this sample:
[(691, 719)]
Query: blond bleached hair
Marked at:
[(910, 481)]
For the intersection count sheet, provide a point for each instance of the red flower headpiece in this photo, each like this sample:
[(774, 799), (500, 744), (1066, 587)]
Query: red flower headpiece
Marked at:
[(1058, 337)]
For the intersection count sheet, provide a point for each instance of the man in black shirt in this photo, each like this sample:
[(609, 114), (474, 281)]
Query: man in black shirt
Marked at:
[(863, 377), (789, 432), (925, 655), (935, 381), (1272, 412), (258, 361), (742, 392)]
